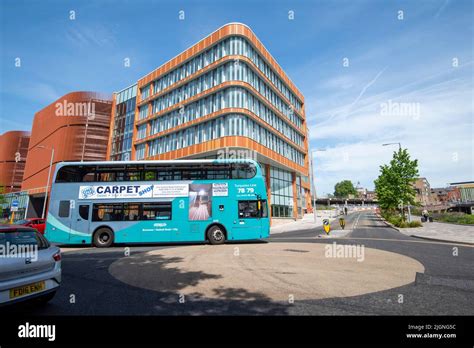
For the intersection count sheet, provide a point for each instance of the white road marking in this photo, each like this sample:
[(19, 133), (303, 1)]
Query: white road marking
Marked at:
[(383, 239)]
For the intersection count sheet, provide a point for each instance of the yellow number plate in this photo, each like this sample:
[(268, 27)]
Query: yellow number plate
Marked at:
[(27, 289)]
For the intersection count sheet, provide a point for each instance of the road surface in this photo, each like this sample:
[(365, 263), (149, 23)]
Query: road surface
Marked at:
[(106, 282)]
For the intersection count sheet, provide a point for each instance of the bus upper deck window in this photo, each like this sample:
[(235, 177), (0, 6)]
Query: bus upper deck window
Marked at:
[(243, 170), (64, 209)]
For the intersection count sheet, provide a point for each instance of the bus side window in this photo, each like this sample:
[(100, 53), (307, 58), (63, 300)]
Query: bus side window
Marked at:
[(248, 209), (156, 211), (84, 212), (64, 209)]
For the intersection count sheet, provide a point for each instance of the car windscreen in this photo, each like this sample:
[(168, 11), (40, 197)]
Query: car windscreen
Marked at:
[(21, 222), (23, 237)]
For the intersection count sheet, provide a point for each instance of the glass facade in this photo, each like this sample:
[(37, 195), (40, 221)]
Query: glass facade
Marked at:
[(230, 46), (300, 196), (232, 97), (281, 187), (123, 124), (231, 71), (228, 125)]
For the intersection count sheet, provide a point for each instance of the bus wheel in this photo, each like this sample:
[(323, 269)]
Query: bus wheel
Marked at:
[(103, 237), (216, 235)]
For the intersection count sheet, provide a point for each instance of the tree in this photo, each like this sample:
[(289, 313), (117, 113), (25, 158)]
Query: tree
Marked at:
[(394, 186), (344, 189)]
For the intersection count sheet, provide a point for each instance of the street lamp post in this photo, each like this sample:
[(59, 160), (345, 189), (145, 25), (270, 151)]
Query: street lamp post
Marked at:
[(49, 174), (399, 145), (312, 181), (408, 206)]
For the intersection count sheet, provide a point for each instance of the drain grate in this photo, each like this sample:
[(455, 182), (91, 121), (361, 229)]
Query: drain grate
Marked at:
[(297, 251)]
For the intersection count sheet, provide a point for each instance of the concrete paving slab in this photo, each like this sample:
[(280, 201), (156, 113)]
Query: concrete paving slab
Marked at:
[(442, 232)]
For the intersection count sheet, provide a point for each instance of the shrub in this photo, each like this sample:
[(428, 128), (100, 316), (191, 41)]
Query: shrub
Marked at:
[(458, 218), (395, 219)]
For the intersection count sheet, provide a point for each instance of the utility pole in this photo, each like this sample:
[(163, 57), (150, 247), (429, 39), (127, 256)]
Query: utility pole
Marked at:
[(49, 174), (312, 181)]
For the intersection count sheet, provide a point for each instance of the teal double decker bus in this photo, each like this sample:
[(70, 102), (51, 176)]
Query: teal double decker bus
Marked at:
[(102, 203)]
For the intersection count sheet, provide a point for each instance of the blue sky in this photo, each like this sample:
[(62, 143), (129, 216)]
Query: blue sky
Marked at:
[(422, 63)]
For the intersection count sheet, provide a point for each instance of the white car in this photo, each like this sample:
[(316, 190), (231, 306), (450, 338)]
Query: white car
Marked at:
[(30, 267)]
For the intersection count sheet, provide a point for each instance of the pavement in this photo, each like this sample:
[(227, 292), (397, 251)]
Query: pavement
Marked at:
[(306, 223), (287, 275), (442, 232)]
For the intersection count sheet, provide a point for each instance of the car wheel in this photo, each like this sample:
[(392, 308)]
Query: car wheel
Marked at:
[(103, 238), (216, 235)]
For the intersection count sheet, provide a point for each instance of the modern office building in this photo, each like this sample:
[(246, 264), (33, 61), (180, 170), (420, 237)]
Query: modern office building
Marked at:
[(122, 124), (76, 127), (225, 96), (13, 152)]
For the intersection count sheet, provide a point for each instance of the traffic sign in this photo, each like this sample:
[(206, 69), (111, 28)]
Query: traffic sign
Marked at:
[(326, 226), (14, 206)]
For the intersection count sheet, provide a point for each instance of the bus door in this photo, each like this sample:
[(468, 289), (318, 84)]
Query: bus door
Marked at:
[(247, 223), (81, 220), (61, 232)]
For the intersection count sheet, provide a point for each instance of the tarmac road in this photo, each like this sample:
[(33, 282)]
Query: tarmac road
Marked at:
[(413, 277)]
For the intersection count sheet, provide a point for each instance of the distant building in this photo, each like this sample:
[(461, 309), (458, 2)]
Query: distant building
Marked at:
[(365, 194), (370, 195), (466, 196), (361, 192), (423, 192), (466, 190), (446, 194), (13, 152)]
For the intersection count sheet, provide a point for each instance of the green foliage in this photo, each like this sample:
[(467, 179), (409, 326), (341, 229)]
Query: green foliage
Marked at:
[(394, 186), (344, 189), (456, 218), (397, 220)]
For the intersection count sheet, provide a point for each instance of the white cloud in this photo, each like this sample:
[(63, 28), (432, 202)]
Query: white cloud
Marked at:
[(440, 136)]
